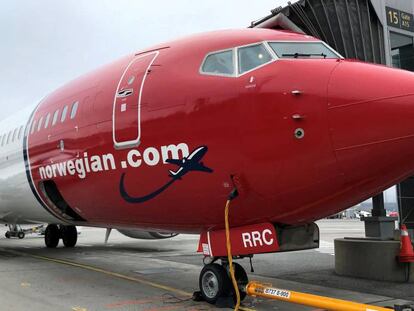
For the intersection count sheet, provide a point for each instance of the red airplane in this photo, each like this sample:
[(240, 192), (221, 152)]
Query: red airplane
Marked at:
[(157, 140)]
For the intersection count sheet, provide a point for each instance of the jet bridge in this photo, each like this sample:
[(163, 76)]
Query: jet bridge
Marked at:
[(351, 27)]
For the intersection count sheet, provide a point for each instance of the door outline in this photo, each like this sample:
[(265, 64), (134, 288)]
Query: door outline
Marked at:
[(136, 142)]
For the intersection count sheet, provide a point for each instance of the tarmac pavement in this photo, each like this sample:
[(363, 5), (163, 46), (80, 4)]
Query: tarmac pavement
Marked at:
[(161, 275)]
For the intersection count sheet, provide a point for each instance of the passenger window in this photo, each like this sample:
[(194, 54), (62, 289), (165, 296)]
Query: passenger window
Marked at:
[(221, 63), (74, 110), (47, 120), (251, 57), (14, 135), (20, 132), (64, 111), (55, 117), (33, 126), (8, 137), (39, 126), (302, 50)]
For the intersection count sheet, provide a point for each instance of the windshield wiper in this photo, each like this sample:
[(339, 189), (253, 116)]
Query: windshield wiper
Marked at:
[(297, 55)]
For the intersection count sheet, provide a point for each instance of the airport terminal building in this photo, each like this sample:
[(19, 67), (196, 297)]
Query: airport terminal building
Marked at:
[(376, 31)]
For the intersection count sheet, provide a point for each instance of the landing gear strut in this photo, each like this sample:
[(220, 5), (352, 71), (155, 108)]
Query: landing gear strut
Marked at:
[(215, 282), (54, 233)]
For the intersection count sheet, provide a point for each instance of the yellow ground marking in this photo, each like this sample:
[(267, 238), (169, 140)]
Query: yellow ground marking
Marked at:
[(113, 274), (124, 303)]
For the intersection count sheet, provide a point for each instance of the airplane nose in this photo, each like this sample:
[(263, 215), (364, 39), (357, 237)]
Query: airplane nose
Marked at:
[(371, 120)]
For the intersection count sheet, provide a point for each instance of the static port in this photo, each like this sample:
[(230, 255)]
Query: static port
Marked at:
[(299, 133)]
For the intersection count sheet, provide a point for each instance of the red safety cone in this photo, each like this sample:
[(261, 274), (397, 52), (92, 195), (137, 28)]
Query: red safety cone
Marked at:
[(406, 249)]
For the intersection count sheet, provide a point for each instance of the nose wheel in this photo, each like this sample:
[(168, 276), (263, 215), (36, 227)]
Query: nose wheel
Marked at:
[(215, 282), (54, 233)]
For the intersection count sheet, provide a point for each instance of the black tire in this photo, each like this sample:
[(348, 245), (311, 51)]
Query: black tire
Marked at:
[(7, 234), (52, 236), (242, 280), (214, 283), (69, 236), (20, 235)]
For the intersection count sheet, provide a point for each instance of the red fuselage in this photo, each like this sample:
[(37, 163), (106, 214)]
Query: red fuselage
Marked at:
[(356, 119)]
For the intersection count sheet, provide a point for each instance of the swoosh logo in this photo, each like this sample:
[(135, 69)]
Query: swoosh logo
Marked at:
[(192, 163)]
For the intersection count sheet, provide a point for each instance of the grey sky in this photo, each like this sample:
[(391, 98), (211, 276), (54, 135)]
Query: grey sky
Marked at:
[(46, 43)]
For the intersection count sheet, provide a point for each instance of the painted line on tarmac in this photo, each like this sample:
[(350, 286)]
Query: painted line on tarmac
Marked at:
[(123, 303), (110, 273)]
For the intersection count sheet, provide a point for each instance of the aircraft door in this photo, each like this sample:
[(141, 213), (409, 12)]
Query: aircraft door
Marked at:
[(127, 102)]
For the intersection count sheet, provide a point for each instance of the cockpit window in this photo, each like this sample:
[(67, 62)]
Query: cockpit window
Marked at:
[(302, 50), (220, 63), (252, 56), (239, 60)]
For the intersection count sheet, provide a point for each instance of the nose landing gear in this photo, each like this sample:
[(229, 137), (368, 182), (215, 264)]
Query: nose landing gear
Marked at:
[(54, 233), (228, 280), (215, 283)]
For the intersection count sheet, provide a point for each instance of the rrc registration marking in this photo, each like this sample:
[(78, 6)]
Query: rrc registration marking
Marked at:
[(277, 292)]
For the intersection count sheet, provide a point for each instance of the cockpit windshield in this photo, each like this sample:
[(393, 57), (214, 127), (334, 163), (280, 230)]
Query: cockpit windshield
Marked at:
[(302, 50), (237, 61)]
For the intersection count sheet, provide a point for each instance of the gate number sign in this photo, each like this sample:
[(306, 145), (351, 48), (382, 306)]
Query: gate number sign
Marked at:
[(400, 19)]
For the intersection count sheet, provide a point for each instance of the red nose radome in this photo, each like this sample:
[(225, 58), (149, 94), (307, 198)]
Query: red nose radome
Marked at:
[(371, 115)]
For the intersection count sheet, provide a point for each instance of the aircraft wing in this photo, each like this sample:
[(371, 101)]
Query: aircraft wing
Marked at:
[(202, 168)]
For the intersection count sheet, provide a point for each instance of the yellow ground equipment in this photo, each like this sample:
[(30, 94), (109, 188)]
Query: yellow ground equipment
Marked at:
[(325, 303)]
